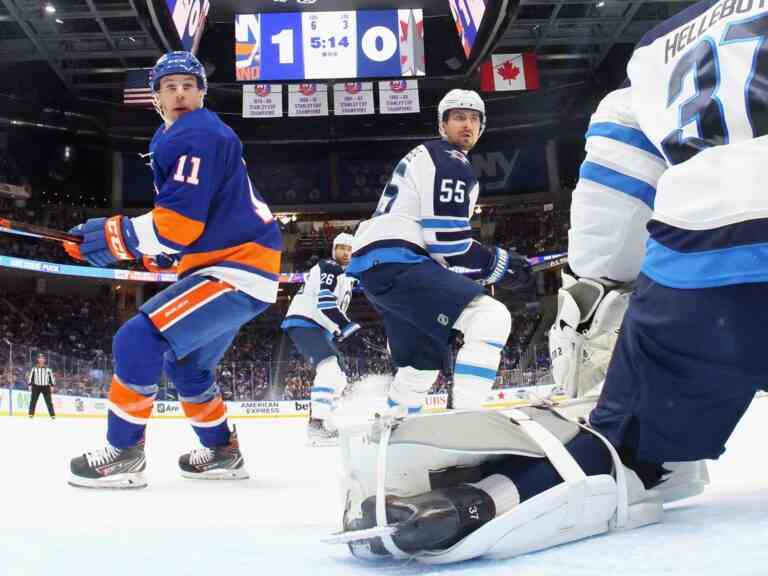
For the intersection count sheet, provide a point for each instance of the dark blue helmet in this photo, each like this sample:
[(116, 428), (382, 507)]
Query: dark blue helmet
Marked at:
[(178, 63)]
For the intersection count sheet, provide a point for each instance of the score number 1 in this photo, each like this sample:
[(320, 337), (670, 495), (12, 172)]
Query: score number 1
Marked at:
[(284, 41)]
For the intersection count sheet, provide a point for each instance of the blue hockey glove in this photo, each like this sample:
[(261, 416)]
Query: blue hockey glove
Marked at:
[(498, 267), (519, 274), (347, 331), (107, 240)]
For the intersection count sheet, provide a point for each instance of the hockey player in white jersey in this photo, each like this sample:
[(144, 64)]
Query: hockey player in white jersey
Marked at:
[(423, 272), (671, 198), (316, 321)]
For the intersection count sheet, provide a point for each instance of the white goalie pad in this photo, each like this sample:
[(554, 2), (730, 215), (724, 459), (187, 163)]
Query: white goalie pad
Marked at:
[(400, 461)]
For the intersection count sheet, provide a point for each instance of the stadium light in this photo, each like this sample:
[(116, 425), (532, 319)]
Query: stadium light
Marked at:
[(50, 8)]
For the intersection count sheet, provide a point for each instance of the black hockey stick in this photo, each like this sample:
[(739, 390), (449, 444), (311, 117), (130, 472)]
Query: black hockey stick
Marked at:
[(34, 231)]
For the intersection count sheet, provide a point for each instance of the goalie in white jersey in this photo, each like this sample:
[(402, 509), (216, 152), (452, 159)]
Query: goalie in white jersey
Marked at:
[(671, 198), (316, 321)]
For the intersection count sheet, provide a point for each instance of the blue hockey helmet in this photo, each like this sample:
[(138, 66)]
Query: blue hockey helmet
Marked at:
[(179, 62)]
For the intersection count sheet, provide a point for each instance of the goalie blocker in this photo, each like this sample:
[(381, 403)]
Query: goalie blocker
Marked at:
[(429, 489)]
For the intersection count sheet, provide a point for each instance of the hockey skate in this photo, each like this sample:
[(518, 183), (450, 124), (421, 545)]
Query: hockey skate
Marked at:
[(218, 463), (110, 467), (321, 433), (433, 521)]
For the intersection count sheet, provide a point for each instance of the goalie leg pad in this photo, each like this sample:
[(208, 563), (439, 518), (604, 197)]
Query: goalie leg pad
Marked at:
[(486, 324)]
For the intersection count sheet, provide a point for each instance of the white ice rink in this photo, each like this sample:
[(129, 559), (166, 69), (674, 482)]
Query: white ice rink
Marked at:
[(271, 524)]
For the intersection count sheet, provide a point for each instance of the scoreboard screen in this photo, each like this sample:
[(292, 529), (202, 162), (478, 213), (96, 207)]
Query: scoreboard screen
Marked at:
[(278, 46), (467, 14)]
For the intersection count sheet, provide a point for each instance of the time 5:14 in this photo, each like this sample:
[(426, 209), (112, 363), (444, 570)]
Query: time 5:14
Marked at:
[(318, 42)]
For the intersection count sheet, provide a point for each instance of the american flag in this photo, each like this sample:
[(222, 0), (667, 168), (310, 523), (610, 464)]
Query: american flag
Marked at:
[(136, 92)]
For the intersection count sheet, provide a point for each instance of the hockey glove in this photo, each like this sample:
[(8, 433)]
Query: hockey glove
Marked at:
[(497, 268), (164, 263), (581, 340), (519, 274), (347, 331), (105, 241)]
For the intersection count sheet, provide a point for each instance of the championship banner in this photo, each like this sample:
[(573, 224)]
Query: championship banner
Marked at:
[(504, 72), (262, 101), (307, 100), (353, 98), (399, 97)]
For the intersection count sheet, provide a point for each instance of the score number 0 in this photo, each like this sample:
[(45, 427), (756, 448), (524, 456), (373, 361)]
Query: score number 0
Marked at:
[(378, 43)]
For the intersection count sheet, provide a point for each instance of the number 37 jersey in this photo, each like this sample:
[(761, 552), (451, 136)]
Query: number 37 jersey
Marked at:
[(206, 209), (699, 92)]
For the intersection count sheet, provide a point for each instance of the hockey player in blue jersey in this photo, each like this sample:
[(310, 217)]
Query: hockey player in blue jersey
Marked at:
[(316, 321), (423, 272), (670, 208), (209, 216)]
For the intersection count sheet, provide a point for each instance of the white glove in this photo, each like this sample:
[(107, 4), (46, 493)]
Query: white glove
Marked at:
[(581, 340)]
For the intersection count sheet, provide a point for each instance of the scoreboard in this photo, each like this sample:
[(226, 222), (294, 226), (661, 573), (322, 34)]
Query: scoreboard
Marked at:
[(278, 46)]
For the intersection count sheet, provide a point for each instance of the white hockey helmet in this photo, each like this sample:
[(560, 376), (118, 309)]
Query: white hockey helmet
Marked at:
[(342, 239), (464, 99)]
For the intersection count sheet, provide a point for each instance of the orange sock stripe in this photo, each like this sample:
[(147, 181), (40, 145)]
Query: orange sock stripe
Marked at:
[(206, 412), (130, 402), (174, 310)]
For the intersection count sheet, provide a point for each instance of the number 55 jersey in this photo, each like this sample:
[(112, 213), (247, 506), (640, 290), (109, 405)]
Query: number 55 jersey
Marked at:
[(424, 212), (207, 210)]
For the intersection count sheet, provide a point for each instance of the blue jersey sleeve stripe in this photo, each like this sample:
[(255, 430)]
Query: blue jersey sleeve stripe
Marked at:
[(449, 248), (445, 223), (618, 181), (723, 267), (480, 372), (625, 134), (325, 292)]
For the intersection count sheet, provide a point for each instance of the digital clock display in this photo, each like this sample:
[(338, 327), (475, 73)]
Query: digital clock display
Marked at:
[(316, 45)]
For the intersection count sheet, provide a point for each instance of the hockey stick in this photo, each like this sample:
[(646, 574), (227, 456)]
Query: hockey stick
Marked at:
[(357, 535), (34, 231)]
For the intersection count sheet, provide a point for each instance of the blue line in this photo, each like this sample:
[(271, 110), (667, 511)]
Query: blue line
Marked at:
[(322, 389)]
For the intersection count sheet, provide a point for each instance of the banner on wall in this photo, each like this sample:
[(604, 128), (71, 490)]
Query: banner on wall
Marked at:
[(262, 101), (17, 402), (399, 97), (310, 99), (353, 98)]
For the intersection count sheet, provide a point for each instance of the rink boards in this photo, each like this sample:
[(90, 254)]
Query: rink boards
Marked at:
[(16, 403)]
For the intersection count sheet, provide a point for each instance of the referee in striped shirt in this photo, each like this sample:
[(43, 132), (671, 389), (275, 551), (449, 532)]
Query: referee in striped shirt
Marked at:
[(41, 381)]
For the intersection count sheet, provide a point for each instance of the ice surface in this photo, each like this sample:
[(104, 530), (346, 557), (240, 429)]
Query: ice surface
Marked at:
[(271, 524)]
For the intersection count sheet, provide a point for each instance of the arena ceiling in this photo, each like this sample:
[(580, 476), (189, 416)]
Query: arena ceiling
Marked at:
[(73, 60)]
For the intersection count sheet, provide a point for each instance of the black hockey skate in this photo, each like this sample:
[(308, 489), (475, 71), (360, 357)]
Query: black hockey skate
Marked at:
[(219, 463), (110, 467), (320, 434), (432, 521)]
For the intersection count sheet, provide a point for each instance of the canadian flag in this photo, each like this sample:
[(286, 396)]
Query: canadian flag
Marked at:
[(509, 72)]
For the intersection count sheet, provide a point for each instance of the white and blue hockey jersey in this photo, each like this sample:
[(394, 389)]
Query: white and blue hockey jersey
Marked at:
[(424, 212), (323, 300), (681, 151)]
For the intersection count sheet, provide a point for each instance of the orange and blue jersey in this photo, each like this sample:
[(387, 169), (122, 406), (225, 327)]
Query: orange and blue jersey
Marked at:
[(207, 209)]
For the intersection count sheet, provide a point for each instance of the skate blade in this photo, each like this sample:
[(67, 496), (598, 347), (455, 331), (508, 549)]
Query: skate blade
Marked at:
[(235, 474), (128, 481), (322, 442), (358, 535)]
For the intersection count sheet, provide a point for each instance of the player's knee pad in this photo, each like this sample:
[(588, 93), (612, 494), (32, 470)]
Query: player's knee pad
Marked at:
[(138, 350), (410, 387), (190, 379), (329, 382), (486, 324)]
